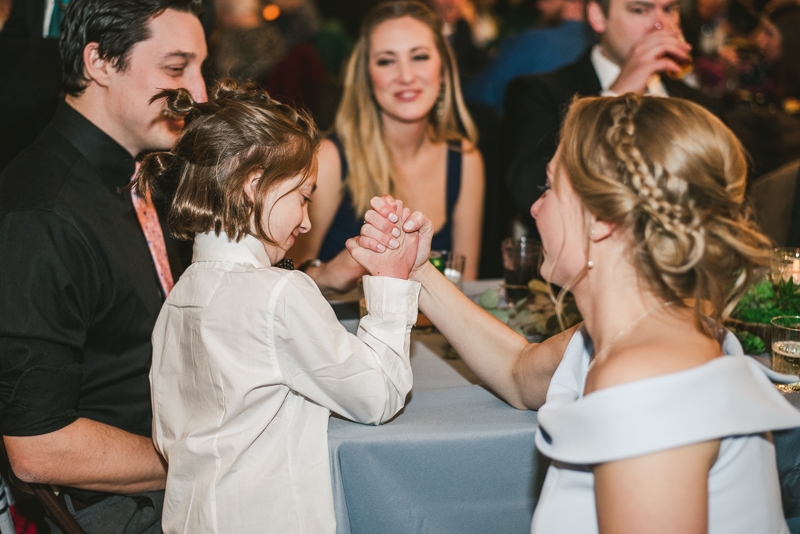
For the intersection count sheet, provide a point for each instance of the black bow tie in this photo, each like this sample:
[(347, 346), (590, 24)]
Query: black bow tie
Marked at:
[(287, 264)]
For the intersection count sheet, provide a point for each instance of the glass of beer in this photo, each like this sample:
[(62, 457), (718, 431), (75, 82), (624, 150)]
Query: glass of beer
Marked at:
[(786, 348), (521, 259), (686, 65)]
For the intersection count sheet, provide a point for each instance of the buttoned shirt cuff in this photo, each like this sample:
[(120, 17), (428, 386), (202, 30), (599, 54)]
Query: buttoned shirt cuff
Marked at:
[(384, 294)]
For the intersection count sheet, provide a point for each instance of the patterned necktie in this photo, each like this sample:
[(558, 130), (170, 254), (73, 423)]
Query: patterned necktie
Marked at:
[(151, 227), (59, 7)]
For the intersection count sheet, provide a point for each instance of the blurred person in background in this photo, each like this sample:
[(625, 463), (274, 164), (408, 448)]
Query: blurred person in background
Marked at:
[(402, 127), (565, 38), (31, 74), (245, 46), (299, 20), (485, 24), (456, 15), (778, 40)]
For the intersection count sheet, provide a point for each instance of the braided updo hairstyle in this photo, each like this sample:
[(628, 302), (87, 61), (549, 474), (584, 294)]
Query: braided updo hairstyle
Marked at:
[(674, 175), (240, 130)]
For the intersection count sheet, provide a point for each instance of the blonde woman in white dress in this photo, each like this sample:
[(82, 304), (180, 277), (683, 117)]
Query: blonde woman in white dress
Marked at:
[(653, 418)]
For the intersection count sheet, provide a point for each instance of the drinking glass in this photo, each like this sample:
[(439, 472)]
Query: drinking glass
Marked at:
[(521, 259), (449, 263), (785, 264), (786, 347)]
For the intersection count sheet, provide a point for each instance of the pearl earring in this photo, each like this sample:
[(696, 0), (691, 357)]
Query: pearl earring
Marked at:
[(590, 264)]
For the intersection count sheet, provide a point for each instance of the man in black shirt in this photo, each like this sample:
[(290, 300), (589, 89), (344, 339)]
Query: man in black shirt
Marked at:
[(80, 293)]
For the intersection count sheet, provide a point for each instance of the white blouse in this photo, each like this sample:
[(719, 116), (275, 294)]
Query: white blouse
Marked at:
[(248, 362), (729, 398)]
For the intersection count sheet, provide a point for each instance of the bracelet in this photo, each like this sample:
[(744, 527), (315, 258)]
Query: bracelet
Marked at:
[(309, 263)]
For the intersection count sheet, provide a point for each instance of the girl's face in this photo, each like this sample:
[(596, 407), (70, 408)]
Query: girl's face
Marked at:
[(405, 68), (560, 221), (285, 214)]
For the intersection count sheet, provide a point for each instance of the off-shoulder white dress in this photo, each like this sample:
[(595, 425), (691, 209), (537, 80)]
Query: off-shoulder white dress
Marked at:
[(729, 398)]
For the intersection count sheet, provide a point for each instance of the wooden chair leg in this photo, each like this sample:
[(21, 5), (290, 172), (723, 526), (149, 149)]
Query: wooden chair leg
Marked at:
[(56, 506)]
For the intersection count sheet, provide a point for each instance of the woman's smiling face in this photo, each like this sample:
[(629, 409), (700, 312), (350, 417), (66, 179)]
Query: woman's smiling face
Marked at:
[(405, 69)]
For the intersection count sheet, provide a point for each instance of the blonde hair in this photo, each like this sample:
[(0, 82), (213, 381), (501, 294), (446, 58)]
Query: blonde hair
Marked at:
[(674, 175), (358, 121)]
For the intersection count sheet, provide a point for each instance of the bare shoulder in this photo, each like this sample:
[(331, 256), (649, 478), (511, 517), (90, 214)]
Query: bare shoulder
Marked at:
[(472, 161), (652, 353), (470, 151), (329, 171), (329, 156)]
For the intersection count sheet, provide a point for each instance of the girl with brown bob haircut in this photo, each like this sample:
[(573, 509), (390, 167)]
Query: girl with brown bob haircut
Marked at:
[(249, 359), (655, 419)]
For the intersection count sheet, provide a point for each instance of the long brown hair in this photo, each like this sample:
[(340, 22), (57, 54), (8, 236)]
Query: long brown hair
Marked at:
[(239, 131), (358, 122)]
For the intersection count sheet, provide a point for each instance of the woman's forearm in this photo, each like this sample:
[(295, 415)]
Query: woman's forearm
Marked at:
[(485, 344)]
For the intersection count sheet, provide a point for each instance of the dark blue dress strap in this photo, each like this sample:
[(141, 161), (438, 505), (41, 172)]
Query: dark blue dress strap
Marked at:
[(454, 165), (443, 239)]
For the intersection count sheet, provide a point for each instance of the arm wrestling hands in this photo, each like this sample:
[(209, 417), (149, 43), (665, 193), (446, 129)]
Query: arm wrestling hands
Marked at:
[(384, 248), (517, 371)]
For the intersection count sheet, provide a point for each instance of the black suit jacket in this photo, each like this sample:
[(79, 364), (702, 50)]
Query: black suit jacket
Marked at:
[(535, 106)]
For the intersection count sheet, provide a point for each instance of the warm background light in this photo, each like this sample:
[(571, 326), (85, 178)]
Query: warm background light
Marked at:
[(272, 12)]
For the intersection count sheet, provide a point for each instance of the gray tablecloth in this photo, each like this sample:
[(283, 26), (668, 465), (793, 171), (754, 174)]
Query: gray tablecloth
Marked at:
[(455, 460)]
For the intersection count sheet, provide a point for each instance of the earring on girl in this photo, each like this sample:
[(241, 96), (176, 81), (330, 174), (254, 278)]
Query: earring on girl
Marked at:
[(440, 103)]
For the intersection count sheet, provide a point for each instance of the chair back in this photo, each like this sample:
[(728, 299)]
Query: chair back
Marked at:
[(773, 200)]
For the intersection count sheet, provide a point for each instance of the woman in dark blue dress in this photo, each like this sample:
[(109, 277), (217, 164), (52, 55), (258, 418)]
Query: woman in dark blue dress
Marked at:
[(402, 129)]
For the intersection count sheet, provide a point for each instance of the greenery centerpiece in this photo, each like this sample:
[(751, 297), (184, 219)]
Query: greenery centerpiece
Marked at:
[(750, 320), (534, 316)]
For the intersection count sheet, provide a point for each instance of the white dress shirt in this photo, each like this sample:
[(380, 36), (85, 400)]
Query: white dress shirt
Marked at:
[(608, 72), (248, 362)]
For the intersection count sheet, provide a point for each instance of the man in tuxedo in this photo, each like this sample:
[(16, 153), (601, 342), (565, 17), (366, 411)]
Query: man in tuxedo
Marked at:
[(640, 43), (86, 267)]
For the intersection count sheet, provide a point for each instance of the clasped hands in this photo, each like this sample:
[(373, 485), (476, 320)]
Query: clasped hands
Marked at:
[(393, 242)]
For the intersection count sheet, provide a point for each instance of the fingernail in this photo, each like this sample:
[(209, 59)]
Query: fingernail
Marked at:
[(381, 248), (408, 225), (393, 243), (396, 232), (392, 217)]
